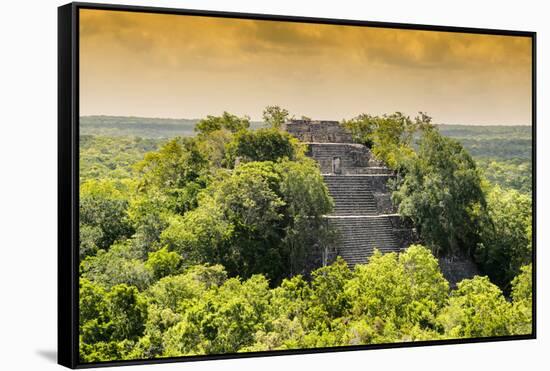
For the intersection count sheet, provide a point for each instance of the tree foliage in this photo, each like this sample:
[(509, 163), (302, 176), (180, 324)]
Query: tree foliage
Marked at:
[(103, 215), (440, 191), (476, 309), (508, 174), (262, 145), (177, 170), (110, 320), (204, 245), (226, 121), (392, 298), (253, 220), (121, 264), (103, 157), (389, 136), (163, 263), (505, 244), (522, 304), (275, 116)]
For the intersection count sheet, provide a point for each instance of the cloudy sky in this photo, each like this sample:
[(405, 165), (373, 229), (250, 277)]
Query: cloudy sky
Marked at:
[(156, 65)]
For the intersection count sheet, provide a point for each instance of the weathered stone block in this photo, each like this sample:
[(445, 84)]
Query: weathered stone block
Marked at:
[(363, 216), (318, 131)]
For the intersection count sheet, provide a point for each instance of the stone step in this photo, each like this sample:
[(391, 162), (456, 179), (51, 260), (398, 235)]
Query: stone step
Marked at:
[(367, 208), (348, 187), (353, 177), (351, 195), (356, 215), (365, 171), (355, 201), (342, 212), (359, 236)]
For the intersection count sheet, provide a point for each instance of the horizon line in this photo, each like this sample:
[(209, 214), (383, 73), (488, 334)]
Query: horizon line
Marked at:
[(261, 121)]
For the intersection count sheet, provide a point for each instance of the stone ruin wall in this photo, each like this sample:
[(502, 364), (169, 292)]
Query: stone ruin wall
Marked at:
[(364, 217), (355, 158), (309, 131)]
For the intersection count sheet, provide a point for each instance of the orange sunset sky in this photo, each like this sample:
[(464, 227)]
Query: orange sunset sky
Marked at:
[(156, 65)]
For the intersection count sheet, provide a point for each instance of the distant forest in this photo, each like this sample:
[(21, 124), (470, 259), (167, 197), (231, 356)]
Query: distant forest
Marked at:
[(156, 128), (502, 152)]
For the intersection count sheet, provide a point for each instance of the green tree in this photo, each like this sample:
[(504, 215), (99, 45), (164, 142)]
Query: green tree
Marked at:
[(163, 263), (252, 220), (505, 244), (389, 136), (213, 145), (90, 237), (177, 170), (428, 289), (201, 235), (328, 290), (111, 157), (476, 309), (103, 215), (223, 320), (262, 145), (286, 319), (226, 121), (275, 116), (121, 264), (175, 164), (106, 351), (237, 224), (522, 302), (401, 291), (127, 310), (172, 292), (149, 213), (110, 321), (513, 173), (94, 321), (306, 232), (151, 345), (440, 192)]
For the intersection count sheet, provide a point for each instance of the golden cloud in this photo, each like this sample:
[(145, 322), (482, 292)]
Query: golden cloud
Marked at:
[(191, 66)]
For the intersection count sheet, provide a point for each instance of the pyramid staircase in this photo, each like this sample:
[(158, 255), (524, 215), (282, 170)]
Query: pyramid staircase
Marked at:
[(363, 214), (360, 226)]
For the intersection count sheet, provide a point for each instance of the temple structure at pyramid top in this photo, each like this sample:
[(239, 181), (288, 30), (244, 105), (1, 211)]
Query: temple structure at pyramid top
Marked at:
[(318, 131)]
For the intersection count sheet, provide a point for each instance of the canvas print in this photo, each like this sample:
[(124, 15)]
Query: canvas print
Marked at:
[(252, 185)]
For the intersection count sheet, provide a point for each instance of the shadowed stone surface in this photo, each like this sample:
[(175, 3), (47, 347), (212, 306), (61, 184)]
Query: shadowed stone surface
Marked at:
[(456, 268), (355, 158), (363, 217), (318, 131)]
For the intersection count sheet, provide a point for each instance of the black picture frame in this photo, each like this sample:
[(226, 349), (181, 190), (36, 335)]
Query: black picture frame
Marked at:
[(68, 178)]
